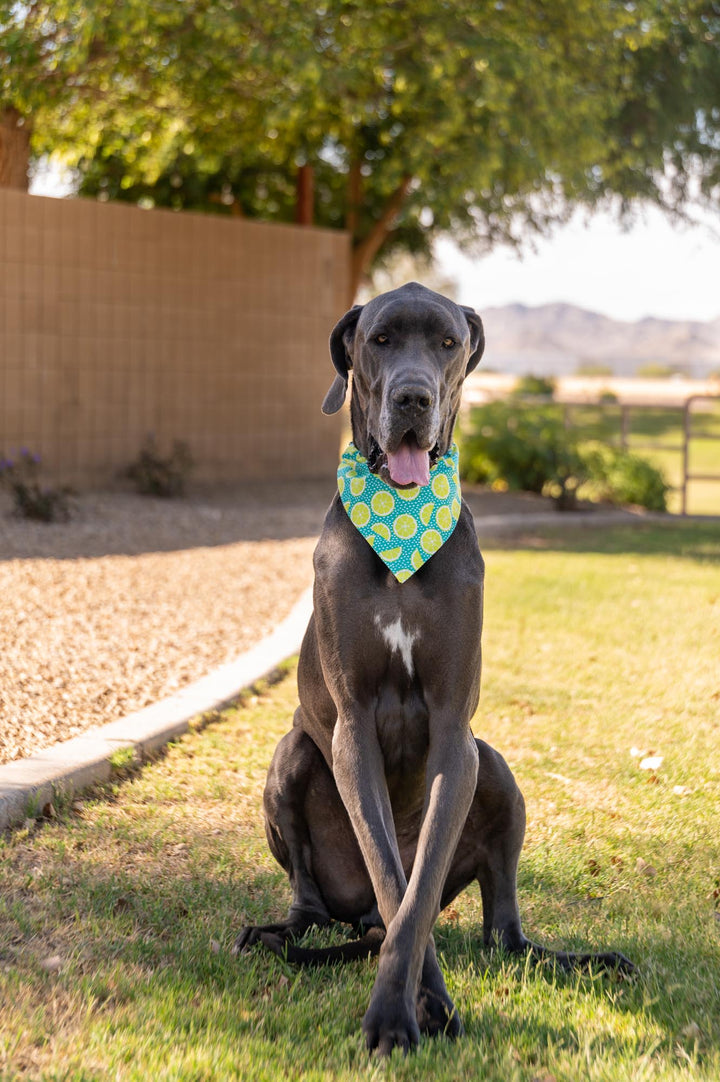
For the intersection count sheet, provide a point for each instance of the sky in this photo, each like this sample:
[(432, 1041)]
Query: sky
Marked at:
[(653, 269)]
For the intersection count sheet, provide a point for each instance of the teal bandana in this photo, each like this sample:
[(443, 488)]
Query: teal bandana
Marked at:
[(405, 526)]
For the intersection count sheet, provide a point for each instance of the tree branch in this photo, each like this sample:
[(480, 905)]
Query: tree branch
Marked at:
[(354, 194)]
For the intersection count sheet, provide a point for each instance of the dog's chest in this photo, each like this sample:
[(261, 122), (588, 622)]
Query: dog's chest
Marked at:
[(399, 638), (401, 713)]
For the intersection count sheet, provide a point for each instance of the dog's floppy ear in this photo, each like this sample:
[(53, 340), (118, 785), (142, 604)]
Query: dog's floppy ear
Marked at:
[(341, 337), (477, 338)]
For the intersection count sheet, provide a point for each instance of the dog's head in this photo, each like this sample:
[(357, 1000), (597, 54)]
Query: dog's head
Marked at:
[(409, 351)]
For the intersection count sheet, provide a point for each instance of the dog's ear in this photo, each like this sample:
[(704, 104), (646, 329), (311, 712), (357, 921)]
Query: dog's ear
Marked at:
[(340, 341), (477, 338)]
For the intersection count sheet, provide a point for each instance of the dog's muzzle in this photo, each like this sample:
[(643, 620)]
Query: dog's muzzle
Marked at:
[(406, 445)]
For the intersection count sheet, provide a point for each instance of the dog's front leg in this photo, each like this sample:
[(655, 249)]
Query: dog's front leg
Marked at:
[(408, 969), (359, 772), (409, 982)]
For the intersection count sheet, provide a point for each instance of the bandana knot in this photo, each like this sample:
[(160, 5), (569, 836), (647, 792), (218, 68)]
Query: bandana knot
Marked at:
[(404, 526)]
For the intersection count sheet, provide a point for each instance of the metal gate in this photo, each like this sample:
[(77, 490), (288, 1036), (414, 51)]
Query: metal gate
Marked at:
[(682, 447), (688, 436)]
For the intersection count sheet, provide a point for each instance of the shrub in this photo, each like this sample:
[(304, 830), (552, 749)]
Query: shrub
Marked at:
[(30, 498), (154, 475), (538, 386), (624, 478), (655, 370), (593, 368), (528, 448)]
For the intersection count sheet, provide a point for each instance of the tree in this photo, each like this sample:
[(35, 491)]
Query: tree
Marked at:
[(71, 69), (397, 120)]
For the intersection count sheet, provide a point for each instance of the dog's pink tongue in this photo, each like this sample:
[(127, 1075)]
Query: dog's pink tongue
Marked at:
[(409, 465)]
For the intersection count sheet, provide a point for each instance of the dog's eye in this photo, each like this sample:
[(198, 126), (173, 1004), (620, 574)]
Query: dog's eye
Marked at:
[(449, 342), (381, 339)]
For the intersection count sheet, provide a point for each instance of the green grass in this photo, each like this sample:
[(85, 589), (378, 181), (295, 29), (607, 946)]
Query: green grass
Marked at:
[(116, 918)]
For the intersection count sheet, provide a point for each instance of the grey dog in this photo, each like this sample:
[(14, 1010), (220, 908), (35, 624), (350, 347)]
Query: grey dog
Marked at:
[(380, 804)]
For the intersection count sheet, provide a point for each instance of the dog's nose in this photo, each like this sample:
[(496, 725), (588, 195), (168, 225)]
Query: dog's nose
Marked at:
[(412, 399)]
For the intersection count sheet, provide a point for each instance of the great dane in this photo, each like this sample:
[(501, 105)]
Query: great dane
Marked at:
[(380, 804)]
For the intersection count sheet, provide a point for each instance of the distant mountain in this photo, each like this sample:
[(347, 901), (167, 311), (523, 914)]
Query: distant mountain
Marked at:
[(555, 339)]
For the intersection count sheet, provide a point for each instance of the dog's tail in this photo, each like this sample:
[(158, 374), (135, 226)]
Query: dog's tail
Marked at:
[(365, 947)]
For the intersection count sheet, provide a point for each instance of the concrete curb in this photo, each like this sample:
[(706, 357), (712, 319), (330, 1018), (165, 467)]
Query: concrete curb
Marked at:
[(85, 760)]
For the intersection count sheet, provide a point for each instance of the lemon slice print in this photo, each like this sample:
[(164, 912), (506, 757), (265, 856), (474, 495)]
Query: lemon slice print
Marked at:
[(409, 493), (426, 513), (404, 575), (430, 541), (357, 486), (443, 517), (441, 486), (417, 559), (381, 530), (382, 503), (360, 514), (405, 526), (455, 508), (389, 555)]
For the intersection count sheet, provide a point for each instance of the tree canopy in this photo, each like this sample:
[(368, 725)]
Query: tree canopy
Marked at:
[(403, 118)]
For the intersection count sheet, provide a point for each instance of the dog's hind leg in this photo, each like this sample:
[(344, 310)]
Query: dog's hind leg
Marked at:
[(498, 818), (288, 836)]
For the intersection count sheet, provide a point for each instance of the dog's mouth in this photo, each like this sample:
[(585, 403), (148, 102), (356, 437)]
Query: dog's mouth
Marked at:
[(407, 465)]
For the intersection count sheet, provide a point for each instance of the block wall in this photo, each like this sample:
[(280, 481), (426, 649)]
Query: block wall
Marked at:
[(117, 322)]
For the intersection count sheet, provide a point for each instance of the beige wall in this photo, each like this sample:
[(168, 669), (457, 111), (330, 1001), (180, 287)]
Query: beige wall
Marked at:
[(116, 322)]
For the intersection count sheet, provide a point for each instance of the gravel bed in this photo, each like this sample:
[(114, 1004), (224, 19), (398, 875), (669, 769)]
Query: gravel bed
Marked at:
[(134, 598)]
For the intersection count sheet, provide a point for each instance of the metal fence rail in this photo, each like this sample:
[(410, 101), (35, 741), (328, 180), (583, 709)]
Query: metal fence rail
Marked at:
[(626, 410), (690, 435)]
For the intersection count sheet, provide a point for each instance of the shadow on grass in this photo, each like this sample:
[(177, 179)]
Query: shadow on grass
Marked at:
[(694, 541), (153, 950)]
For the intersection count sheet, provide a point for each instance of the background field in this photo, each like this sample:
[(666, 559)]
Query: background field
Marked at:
[(601, 650)]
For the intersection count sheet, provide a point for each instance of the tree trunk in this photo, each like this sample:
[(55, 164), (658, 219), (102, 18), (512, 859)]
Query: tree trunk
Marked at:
[(366, 248), (14, 150), (305, 199)]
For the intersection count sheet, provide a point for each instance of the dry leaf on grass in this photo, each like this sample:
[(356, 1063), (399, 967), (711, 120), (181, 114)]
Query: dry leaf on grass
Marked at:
[(52, 963)]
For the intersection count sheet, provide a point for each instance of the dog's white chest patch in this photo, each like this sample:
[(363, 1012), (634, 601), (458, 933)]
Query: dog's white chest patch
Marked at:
[(400, 639)]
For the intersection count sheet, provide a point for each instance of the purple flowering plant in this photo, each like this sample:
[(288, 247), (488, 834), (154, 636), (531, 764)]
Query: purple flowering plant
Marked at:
[(20, 474)]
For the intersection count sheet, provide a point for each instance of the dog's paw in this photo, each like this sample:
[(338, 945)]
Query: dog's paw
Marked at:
[(388, 1024), (612, 961), (437, 1015), (253, 934)]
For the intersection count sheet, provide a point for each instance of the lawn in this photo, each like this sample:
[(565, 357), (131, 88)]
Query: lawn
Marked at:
[(601, 651)]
